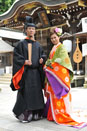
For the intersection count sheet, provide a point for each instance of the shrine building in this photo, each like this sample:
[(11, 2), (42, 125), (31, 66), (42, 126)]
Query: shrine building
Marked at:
[(70, 15)]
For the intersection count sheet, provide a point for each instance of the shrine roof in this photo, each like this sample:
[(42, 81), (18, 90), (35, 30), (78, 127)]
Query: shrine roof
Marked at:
[(18, 3), (5, 47)]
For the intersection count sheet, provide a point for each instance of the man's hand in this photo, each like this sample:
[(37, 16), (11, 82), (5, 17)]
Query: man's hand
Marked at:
[(27, 62), (41, 60)]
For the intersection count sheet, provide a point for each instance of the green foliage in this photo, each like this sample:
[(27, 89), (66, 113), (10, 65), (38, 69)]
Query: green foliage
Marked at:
[(5, 5)]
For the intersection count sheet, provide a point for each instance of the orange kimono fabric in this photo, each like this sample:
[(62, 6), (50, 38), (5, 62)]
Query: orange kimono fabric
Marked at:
[(59, 96), (17, 77)]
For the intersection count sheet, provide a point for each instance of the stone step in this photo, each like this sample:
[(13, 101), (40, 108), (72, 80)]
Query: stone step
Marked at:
[(7, 74), (5, 82), (5, 78)]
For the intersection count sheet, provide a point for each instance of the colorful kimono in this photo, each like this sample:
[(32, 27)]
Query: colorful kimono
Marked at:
[(59, 74)]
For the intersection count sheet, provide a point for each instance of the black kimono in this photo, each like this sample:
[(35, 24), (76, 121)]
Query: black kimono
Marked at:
[(30, 96)]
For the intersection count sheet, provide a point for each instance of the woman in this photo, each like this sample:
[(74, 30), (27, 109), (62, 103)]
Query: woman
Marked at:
[(59, 74)]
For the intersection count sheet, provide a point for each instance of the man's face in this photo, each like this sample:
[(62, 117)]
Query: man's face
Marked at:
[(30, 31)]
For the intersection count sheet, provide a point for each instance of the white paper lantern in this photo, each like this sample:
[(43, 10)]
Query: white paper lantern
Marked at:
[(84, 49), (68, 45), (84, 24)]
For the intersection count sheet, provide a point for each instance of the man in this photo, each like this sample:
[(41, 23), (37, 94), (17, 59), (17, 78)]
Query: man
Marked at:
[(27, 77)]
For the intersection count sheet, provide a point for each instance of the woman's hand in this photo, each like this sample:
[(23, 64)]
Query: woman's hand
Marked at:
[(27, 62), (41, 60), (46, 94)]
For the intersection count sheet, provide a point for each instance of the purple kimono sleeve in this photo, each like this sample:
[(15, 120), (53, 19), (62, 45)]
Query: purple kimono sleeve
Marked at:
[(59, 88)]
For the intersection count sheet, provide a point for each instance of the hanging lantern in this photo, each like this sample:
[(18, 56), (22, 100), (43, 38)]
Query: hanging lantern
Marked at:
[(68, 45), (84, 24)]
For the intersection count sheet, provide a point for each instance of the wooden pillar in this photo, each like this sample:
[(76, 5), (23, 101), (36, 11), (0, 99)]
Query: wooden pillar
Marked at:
[(72, 31), (85, 83), (11, 60)]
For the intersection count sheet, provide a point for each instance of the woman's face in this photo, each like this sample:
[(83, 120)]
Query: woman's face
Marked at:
[(54, 39)]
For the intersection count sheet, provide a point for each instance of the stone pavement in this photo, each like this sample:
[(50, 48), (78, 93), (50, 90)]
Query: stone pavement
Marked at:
[(9, 123)]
